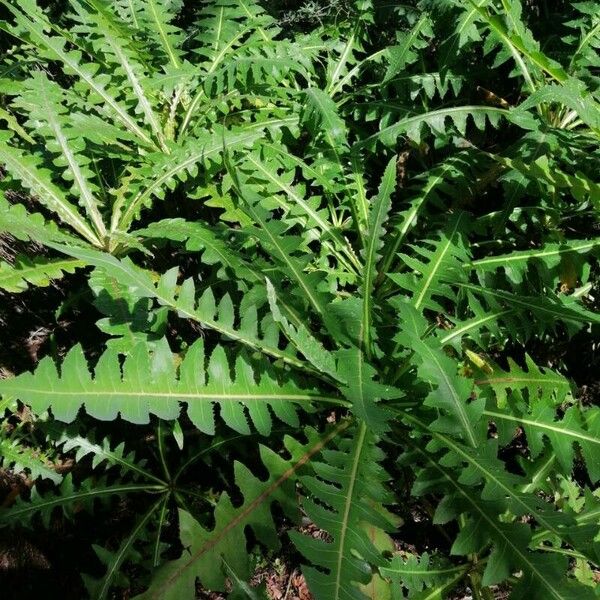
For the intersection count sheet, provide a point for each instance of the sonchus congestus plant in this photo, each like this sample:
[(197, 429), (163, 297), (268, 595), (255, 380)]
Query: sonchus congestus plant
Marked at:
[(337, 271)]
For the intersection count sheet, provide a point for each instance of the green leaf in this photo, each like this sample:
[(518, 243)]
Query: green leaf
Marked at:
[(19, 458), (70, 498), (378, 215), (31, 22), (200, 237), (176, 579), (116, 38), (362, 390), (44, 101), (337, 502), (435, 121), (452, 394), (538, 383), (540, 420), (103, 453), (114, 561), (438, 261), (551, 255), (548, 309), (271, 234), (434, 181), (149, 384), (298, 204), (39, 272), (542, 574), (321, 117), (572, 94), (162, 171), (418, 573), (27, 169), (312, 349), (182, 299)]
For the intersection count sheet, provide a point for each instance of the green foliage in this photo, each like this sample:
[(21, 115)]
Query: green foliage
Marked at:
[(350, 487), (37, 272), (344, 276), (149, 385)]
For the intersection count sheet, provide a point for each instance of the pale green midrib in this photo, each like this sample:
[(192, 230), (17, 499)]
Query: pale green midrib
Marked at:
[(130, 210), (91, 448), (121, 554), (243, 511), (588, 516), (79, 495), (341, 62), (215, 62), (327, 124), (465, 24), (219, 28), (494, 524), (539, 474), (412, 212), (231, 333), (213, 246), (436, 593), (411, 215), (458, 331), (525, 303), (219, 57), (204, 237), (324, 225), (124, 117), (370, 261), (163, 34), (342, 82), (18, 273), (592, 515), (318, 177), (414, 32), (491, 477), (347, 505), (209, 244), (89, 392), (89, 201), (250, 16), (529, 255), (519, 46), (469, 109), (275, 121), (584, 41), (518, 58), (542, 425), (183, 165), (139, 92), (522, 379), (427, 573), (435, 267), (457, 402), (361, 206), (133, 15), (298, 273), (66, 213)]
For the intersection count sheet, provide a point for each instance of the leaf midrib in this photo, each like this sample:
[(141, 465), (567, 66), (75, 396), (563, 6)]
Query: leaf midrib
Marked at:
[(217, 397), (258, 501), (543, 580), (436, 265), (349, 497), (541, 425)]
